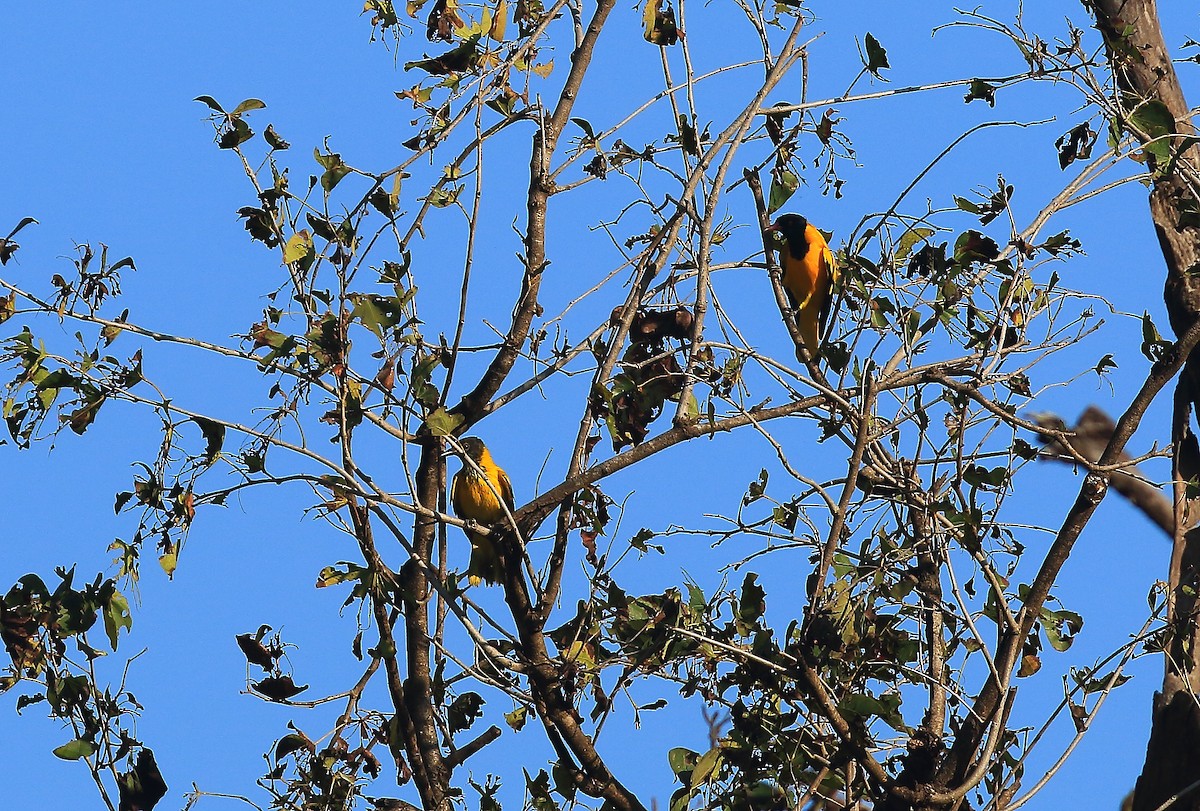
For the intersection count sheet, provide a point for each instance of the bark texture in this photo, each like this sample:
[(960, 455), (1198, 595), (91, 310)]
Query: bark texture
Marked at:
[(1145, 78)]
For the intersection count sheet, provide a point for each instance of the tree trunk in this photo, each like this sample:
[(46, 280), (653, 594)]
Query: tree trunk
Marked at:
[(1146, 76)]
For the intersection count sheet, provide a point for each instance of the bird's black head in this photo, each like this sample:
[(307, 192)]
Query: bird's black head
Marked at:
[(793, 227), (473, 447)]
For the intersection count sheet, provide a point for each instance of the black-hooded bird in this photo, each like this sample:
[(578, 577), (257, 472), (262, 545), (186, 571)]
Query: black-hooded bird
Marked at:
[(480, 491), (809, 271)]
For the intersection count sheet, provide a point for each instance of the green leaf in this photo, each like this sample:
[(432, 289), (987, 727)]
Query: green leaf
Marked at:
[(442, 197), (985, 478), (966, 205), (1153, 120), (911, 237), (708, 766), (980, 90), (681, 760), (517, 718), (783, 186), (455, 60), (753, 600), (298, 247), (394, 272), (755, 489), (538, 789), (116, 617), (248, 105), (876, 56), (321, 226), (638, 541), (76, 749), (680, 799), (29, 700), (332, 575), (1153, 345), (211, 102), (333, 177), (122, 500), (586, 126), (293, 742), (24, 222), (658, 23), (335, 169), (273, 140), (377, 313), (7, 249), (865, 705), (972, 246), (255, 461), (239, 132), (1061, 627), (688, 138), (1061, 244), (442, 423), (1098, 684), (881, 308), (169, 560)]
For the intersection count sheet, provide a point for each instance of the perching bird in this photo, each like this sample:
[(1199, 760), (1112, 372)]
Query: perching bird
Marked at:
[(809, 271), (479, 493)]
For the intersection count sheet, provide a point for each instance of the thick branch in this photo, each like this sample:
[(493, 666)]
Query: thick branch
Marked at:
[(1091, 436), (1145, 76), (1092, 491), (540, 189)]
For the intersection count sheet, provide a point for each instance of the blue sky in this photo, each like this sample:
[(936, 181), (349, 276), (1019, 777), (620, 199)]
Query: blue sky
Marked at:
[(104, 143)]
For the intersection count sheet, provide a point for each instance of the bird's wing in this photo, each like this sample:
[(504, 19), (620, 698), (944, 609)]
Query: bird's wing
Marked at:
[(506, 491), (456, 494), (831, 268)]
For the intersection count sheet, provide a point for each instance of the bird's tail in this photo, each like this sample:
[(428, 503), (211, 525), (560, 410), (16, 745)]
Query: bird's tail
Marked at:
[(484, 566), (809, 323)]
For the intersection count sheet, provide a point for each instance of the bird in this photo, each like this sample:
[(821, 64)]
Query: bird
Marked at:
[(479, 493), (809, 272)]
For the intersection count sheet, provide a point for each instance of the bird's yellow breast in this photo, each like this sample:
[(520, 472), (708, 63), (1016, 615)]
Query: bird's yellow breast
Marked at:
[(474, 498), (810, 274)]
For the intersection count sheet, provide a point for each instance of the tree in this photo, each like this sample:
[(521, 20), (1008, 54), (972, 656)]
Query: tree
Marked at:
[(882, 670)]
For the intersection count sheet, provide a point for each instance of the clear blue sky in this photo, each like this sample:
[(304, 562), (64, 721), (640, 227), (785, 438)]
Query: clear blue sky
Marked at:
[(104, 143)]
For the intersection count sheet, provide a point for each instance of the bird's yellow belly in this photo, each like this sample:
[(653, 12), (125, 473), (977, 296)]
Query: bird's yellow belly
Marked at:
[(478, 502), (803, 279)]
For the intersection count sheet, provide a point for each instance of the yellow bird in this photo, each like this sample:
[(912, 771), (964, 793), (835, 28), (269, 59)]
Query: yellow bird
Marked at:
[(809, 271), (479, 493)]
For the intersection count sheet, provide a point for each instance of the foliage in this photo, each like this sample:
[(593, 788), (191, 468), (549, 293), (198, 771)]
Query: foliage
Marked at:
[(887, 676)]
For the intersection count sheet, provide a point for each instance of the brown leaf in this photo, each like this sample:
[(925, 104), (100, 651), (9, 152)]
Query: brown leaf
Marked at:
[(278, 688), (386, 376), (588, 537), (256, 652)]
